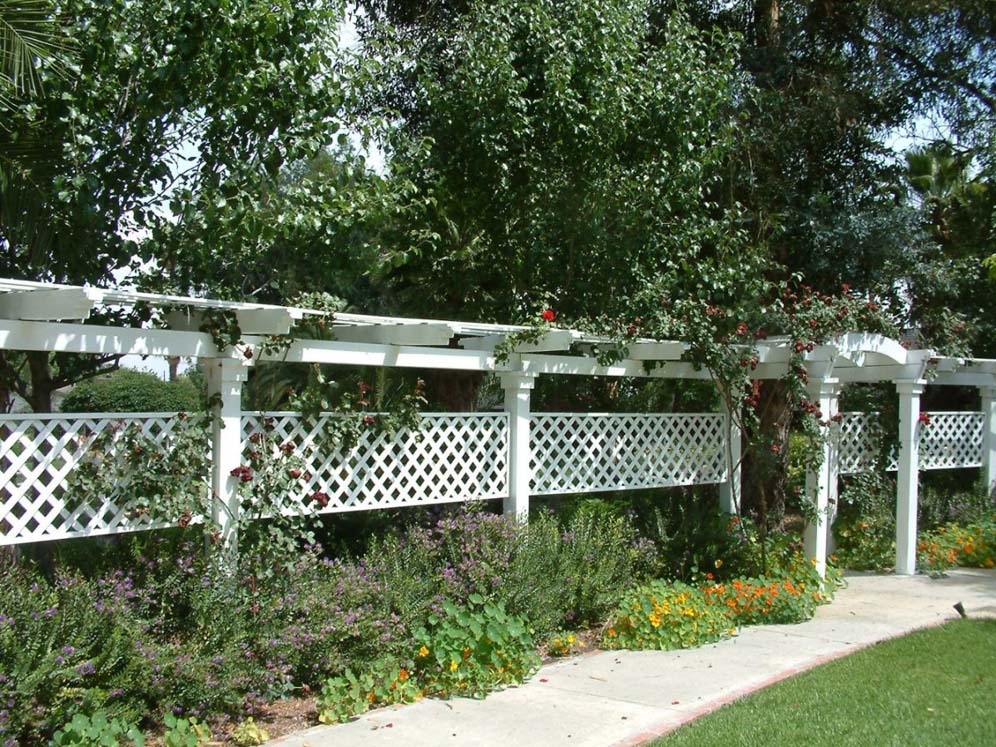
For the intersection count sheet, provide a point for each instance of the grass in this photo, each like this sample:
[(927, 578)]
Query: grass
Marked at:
[(933, 687)]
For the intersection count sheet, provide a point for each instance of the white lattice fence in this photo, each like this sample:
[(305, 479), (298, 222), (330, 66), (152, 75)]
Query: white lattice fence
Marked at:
[(452, 457), (37, 455), (580, 452), (951, 440)]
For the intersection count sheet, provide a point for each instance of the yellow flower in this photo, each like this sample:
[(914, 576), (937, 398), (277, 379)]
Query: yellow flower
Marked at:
[(570, 639), (718, 563), (453, 665), (423, 651)]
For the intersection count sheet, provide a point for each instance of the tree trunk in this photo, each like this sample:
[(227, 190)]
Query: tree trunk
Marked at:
[(41, 381), (453, 391), (764, 489), (767, 17), (174, 367), (6, 393)]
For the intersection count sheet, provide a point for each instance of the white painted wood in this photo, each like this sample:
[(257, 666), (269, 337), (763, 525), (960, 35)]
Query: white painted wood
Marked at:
[(60, 337), (37, 455), (224, 382), (592, 452), (395, 334), (554, 339), (265, 321), (451, 457), (518, 388), (392, 356), (908, 485), (46, 304), (730, 488), (989, 438), (821, 483), (953, 440)]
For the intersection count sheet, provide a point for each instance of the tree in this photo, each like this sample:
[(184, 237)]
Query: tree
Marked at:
[(176, 112), (950, 294), (571, 157)]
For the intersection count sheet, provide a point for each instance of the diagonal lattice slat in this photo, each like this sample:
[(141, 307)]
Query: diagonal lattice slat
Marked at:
[(580, 452), (951, 440), (37, 455), (452, 457)]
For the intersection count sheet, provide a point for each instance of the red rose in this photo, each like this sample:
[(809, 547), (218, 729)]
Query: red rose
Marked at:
[(548, 315)]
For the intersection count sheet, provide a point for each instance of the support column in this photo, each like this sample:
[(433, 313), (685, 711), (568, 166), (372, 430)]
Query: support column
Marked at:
[(989, 438), (908, 478), (518, 388), (224, 383), (821, 483), (729, 491)]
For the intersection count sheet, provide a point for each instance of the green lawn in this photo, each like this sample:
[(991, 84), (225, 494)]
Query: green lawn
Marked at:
[(934, 687)]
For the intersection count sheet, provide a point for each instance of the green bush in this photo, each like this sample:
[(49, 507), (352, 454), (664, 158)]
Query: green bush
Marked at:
[(127, 390), (474, 649), (97, 731), (865, 527)]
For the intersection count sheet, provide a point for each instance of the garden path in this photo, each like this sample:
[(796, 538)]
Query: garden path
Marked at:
[(622, 698)]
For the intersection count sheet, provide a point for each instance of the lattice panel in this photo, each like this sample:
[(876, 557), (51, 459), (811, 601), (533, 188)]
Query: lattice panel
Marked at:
[(859, 440), (452, 457), (952, 439), (37, 455), (575, 453)]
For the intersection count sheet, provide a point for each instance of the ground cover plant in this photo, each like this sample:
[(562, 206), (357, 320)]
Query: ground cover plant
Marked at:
[(931, 687), (154, 633)]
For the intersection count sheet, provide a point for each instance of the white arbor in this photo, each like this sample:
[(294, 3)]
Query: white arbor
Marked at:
[(508, 455)]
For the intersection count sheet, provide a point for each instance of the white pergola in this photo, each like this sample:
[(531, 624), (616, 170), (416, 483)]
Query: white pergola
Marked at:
[(49, 317)]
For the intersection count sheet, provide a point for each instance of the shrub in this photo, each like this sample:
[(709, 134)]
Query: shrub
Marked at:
[(474, 649), (690, 533), (65, 647), (97, 731), (865, 527), (662, 615), (127, 390), (349, 695)]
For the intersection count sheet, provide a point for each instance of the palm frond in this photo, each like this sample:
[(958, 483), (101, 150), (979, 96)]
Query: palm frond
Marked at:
[(30, 38)]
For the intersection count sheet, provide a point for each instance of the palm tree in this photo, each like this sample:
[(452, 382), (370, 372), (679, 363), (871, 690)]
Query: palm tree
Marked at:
[(30, 39)]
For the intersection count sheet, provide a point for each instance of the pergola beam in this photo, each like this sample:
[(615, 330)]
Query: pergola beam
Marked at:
[(59, 337), (48, 305), (550, 341), (395, 334)]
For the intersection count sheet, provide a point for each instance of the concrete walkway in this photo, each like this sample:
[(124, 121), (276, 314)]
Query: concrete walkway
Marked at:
[(628, 697)]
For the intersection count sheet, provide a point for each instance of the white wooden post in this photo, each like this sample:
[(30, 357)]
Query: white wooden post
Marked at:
[(224, 382), (821, 483), (908, 479), (989, 438), (729, 491), (518, 387)]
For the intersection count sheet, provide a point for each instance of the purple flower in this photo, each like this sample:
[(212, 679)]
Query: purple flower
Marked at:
[(85, 668)]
